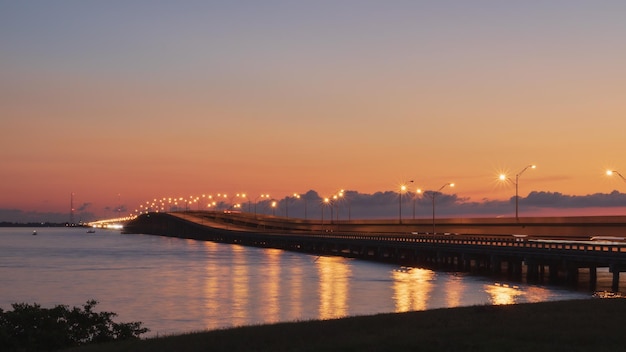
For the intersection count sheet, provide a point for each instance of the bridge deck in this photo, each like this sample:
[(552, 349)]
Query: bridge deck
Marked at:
[(470, 251)]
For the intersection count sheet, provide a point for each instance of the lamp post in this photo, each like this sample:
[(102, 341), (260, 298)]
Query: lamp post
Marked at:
[(295, 196), (402, 190), (209, 200), (516, 183), (219, 202), (244, 196), (255, 201), (304, 197), (611, 172), (343, 194), (418, 191), (324, 203), (433, 196)]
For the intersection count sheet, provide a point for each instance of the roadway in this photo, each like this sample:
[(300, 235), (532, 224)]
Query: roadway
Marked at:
[(561, 253)]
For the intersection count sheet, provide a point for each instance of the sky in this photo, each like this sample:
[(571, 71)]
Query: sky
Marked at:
[(119, 102)]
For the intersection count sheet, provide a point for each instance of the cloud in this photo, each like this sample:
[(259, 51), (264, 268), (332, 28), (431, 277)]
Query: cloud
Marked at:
[(388, 205), (379, 205), (116, 208), (558, 200), (84, 206)]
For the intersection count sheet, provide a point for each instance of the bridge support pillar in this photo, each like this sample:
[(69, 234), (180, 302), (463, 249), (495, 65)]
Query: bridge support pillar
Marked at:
[(496, 265), (572, 274), (553, 273), (615, 269), (593, 278), (532, 271), (517, 267), (467, 264)]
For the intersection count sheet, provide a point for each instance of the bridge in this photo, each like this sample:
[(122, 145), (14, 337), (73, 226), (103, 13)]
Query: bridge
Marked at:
[(556, 249)]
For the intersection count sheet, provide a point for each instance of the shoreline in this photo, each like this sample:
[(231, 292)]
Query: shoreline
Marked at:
[(574, 325)]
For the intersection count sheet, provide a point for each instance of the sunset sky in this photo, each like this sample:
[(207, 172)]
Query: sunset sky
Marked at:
[(123, 101)]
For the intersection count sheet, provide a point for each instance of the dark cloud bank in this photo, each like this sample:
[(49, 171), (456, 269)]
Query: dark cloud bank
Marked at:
[(379, 205)]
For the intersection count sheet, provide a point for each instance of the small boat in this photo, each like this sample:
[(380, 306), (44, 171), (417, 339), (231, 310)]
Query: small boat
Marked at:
[(34, 232), (91, 231)]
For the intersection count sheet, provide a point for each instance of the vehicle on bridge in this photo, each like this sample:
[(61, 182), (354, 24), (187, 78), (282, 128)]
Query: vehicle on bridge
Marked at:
[(607, 238)]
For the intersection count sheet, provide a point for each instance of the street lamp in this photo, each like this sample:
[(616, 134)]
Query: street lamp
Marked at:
[(255, 201), (343, 195), (611, 172), (402, 190), (304, 197), (325, 201), (338, 197), (516, 183), (219, 202), (331, 201), (417, 191), (295, 196), (244, 196), (433, 196)]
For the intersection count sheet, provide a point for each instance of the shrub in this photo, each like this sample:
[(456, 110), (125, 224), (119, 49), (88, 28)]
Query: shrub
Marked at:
[(33, 328)]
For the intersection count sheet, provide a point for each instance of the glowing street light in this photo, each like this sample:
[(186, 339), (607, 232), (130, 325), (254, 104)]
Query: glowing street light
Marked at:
[(337, 197), (611, 172), (342, 194), (295, 196), (503, 177), (325, 202), (417, 191), (262, 196), (402, 190), (433, 196), (244, 196), (304, 198), (330, 201), (220, 195)]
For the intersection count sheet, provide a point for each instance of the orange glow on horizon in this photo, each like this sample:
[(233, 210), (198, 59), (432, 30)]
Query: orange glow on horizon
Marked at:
[(335, 117)]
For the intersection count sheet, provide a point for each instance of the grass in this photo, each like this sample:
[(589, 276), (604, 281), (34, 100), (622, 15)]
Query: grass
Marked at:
[(578, 325)]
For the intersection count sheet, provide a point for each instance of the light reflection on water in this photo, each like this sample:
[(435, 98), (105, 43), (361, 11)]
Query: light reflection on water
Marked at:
[(503, 294), (454, 290), (334, 275), (412, 288), (176, 285)]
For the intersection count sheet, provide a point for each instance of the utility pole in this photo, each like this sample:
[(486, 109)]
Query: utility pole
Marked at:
[(72, 209)]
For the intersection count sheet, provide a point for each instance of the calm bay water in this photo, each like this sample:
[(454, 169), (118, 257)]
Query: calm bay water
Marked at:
[(176, 285)]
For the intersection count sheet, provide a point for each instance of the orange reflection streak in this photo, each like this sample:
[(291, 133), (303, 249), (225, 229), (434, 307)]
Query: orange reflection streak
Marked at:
[(537, 294), (211, 291), (454, 291), (503, 293), (295, 294), (270, 287), (240, 294), (334, 274), (412, 288)]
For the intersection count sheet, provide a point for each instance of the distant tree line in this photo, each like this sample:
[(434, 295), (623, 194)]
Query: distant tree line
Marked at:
[(29, 327)]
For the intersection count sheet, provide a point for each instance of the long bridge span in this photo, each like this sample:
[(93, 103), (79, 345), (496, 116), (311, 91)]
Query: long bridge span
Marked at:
[(557, 249)]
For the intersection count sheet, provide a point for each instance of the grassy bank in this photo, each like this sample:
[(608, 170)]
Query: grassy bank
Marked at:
[(580, 325)]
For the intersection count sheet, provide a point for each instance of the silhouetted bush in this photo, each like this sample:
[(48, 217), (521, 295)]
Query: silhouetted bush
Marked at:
[(33, 328)]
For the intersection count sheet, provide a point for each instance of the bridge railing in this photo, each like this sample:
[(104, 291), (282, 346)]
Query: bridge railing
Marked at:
[(586, 246), (489, 241)]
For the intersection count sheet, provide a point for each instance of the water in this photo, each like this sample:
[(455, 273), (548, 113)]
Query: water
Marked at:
[(176, 285)]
